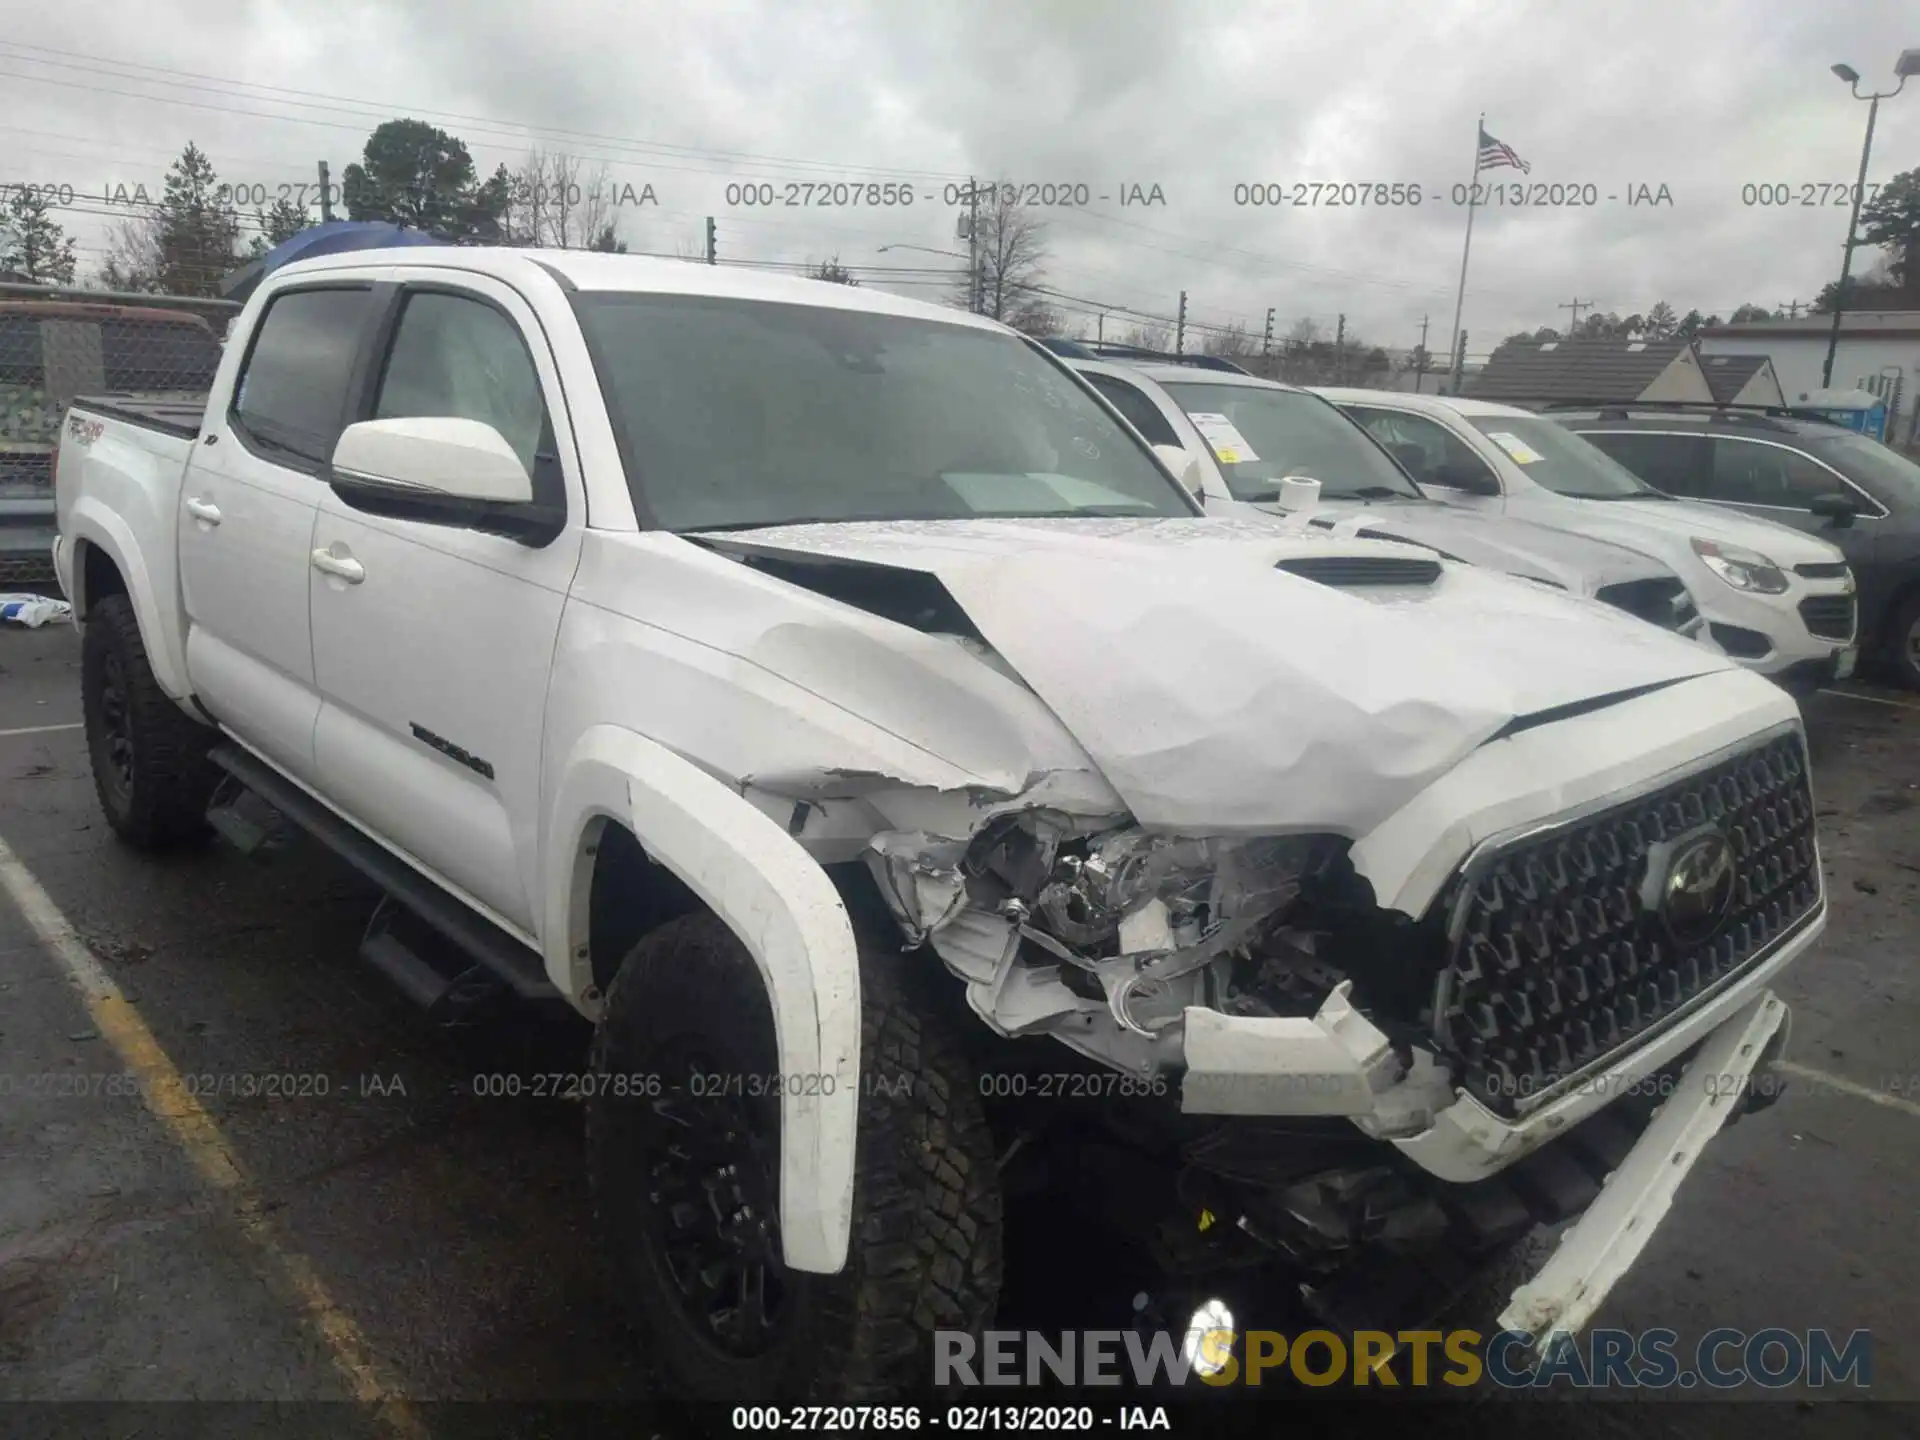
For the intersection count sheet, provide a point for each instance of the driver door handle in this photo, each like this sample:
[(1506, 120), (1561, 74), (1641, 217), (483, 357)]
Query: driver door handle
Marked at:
[(203, 510), (344, 567)]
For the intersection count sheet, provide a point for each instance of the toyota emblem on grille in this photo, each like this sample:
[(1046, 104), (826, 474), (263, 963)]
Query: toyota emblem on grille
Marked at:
[(1691, 886)]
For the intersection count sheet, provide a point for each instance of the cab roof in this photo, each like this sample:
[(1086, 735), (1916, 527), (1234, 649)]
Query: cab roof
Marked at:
[(592, 272)]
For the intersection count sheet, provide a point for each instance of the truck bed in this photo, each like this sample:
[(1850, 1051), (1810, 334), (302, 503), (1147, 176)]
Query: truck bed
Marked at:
[(178, 416)]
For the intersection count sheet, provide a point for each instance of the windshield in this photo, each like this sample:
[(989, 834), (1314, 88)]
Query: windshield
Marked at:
[(1558, 460), (1259, 436), (1895, 478), (733, 414)]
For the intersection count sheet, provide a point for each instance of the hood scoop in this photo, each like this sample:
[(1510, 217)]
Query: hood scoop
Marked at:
[(1352, 571)]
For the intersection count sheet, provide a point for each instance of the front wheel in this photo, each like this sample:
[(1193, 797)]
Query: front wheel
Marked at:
[(683, 1150), (150, 765)]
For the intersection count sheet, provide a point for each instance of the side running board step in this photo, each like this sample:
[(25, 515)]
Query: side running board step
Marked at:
[(502, 956)]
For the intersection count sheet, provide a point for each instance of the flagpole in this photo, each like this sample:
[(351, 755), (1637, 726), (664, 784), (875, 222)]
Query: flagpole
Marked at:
[(1460, 299)]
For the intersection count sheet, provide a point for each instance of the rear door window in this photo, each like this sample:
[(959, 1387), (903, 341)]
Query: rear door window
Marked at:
[(292, 394), (1747, 472), (1677, 464)]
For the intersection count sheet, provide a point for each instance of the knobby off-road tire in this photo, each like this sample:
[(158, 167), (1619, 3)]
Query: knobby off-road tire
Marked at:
[(925, 1248), (150, 765)]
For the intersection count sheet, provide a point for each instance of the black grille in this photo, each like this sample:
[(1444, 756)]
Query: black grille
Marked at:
[(1665, 603), (1828, 616), (1558, 962), (1822, 570), (1363, 570)]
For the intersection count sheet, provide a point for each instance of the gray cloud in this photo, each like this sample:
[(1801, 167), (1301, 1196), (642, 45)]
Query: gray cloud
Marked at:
[(1194, 97)]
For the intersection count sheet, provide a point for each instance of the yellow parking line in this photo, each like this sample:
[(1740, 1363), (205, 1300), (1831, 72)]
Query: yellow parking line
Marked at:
[(40, 730), (175, 1106)]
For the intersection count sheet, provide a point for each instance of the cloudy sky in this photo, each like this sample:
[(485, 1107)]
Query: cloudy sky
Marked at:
[(1703, 97)]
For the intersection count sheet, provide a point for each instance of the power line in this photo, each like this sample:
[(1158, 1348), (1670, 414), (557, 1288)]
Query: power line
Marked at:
[(340, 104)]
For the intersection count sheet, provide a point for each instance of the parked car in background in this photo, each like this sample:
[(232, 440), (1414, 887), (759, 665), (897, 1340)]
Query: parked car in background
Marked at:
[(1778, 601), (1245, 434), (53, 350), (1815, 475)]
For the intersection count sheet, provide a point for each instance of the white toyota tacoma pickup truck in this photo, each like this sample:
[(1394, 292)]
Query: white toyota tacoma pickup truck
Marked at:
[(830, 698)]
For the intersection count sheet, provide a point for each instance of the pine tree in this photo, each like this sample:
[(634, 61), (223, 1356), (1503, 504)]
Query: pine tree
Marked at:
[(32, 244), (196, 234)]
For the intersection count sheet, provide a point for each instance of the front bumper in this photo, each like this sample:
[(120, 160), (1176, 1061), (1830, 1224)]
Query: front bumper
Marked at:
[(1338, 1063), (1769, 634), (1603, 1244)]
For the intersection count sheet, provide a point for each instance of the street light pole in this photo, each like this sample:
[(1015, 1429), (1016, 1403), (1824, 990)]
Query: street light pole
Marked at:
[(1909, 64)]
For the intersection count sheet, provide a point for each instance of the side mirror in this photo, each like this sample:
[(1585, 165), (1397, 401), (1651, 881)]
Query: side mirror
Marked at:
[(436, 454), (1836, 508), (1182, 464)]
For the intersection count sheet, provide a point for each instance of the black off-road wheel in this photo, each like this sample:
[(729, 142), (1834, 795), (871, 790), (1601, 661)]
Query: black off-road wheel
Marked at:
[(150, 764), (686, 1185)]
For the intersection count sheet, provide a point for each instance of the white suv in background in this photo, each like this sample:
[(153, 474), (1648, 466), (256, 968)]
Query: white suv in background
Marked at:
[(1747, 575)]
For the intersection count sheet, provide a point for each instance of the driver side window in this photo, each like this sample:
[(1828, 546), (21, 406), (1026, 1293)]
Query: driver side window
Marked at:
[(1428, 451)]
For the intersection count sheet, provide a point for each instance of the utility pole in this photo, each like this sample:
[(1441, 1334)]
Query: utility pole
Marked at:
[(974, 287), (1908, 65), (1420, 361), (1792, 307), (1460, 364), (712, 246), (1100, 328), (326, 195), (1266, 340), (1180, 329), (1339, 339), (1576, 305)]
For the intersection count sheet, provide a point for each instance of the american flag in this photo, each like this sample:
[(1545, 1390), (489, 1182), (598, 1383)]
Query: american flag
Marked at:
[(1495, 153)]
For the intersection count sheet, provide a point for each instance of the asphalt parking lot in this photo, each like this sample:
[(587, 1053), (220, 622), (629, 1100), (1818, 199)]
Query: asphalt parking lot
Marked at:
[(378, 1229)]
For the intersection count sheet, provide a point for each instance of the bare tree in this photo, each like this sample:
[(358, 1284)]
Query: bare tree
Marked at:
[(832, 271), (132, 259), (553, 200), (1012, 247), (1230, 342), (1153, 336)]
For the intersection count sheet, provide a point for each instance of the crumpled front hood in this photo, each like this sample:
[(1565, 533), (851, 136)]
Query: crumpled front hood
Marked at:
[(1495, 542), (1218, 693)]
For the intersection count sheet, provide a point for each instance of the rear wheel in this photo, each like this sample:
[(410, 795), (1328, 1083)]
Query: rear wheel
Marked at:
[(686, 1185), (150, 764)]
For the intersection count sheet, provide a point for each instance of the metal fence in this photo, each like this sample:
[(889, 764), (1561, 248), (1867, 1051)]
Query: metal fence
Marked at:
[(57, 345)]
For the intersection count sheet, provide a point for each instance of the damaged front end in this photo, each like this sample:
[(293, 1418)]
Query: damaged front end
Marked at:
[(1228, 976), (1380, 1103), (1132, 947)]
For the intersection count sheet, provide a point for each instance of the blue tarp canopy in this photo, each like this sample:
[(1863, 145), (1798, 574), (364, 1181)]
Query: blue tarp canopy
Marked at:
[(331, 238)]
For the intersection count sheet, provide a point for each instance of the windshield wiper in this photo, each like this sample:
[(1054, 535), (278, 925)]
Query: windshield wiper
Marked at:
[(1630, 495)]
